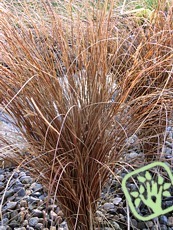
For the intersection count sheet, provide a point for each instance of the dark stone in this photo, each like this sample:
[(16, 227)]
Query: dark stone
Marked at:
[(3, 227), (36, 194), (141, 225), (20, 191), (36, 187), (134, 223), (4, 221), (112, 211), (11, 205), (33, 200), (163, 227), (2, 186), (39, 226), (9, 193), (7, 215), (163, 219), (14, 215), (37, 213), (33, 221), (2, 177), (13, 224), (26, 180), (15, 175), (168, 203)]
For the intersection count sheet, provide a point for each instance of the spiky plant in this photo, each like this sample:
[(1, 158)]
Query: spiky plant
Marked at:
[(77, 86)]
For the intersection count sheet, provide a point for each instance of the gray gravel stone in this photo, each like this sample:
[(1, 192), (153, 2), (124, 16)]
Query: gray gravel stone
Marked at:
[(11, 205), (22, 228), (3, 227), (33, 221), (133, 155), (36, 187), (108, 206), (4, 221), (117, 200), (2, 177), (39, 226), (37, 213), (163, 219), (13, 224), (134, 223), (2, 186), (163, 227), (9, 193), (170, 221), (149, 224), (141, 225), (26, 179)]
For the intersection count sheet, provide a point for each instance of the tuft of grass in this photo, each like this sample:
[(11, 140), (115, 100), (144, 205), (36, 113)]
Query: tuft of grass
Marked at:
[(77, 86)]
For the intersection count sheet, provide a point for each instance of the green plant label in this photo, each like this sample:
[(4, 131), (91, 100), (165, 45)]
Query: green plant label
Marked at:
[(151, 185)]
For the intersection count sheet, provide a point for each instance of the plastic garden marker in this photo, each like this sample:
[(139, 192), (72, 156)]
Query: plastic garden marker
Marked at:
[(148, 187)]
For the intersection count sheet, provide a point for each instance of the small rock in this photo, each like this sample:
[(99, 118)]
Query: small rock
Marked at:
[(163, 227), (33, 221), (36, 187), (134, 223), (39, 226), (117, 200), (15, 175), (36, 194), (168, 203), (163, 219), (25, 223), (168, 151), (9, 193), (22, 174), (52, 228), (108, 206), (11, 205), (112, 211), (133, 155), (149, 224), (33, 200), (22, 228), (3, 227), (14, 215), (26, 179), (2, 177), (7, 215), (170, 221), (53, 215), (23, 203), (20, 191), (4, 221), (2, 186), (116, 226), (37, 213), (13, 224), (141, 225)]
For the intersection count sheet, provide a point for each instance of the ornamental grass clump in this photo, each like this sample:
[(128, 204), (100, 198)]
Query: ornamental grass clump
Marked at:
[(77, 84)]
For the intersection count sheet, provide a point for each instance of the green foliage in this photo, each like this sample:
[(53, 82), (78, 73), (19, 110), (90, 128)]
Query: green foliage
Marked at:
[(149, 188)]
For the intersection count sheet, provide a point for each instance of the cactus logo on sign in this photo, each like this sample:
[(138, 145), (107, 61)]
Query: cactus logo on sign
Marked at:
[(152, 184)]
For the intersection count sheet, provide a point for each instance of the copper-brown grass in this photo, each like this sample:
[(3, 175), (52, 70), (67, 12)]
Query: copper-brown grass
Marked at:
[(77, 87)]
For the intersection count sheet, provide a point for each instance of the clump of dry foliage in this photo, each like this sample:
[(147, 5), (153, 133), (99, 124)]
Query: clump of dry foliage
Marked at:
[(77, 85)]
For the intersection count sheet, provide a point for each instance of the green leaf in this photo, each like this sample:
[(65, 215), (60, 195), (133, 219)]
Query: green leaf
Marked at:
[(141, 179), (148, 175), (134, 194), (154, 187), (166, 193), (141, 189), (160, 180), (166, 186), (137, 202)]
